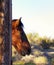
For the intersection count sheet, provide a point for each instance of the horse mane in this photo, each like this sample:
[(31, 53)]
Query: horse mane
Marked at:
[(23, 35)]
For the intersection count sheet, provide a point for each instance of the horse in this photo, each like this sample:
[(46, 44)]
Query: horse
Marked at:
[(19, 38)]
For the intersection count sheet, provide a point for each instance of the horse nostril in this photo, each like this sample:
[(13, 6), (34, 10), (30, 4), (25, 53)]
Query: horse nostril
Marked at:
[(28, 51), (23, 53)]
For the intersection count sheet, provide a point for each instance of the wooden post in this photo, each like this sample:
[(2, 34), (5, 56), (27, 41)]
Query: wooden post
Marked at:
[(1, 31), (5, 31)]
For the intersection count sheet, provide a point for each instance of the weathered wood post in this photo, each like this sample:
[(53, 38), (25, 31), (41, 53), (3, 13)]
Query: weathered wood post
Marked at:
[(5, 31), (1, 31)]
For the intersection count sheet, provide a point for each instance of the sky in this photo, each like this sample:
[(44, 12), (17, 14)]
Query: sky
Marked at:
[(37, 15)]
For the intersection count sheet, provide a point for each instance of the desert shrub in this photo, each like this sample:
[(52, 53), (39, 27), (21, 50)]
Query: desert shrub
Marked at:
[(36, 53), (27, 58), (45, 45), (41, 60)]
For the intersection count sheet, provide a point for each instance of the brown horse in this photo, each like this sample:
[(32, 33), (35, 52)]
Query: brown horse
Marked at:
[(19, 39)]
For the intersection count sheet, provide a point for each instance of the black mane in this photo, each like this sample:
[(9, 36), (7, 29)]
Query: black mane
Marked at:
[(21, 24)]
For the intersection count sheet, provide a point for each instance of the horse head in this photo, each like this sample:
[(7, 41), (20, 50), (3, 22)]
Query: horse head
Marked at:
[(19, 39)]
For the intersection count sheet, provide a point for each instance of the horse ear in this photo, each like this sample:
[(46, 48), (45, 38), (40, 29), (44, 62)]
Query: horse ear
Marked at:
[(20, 18), (20, 22)]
